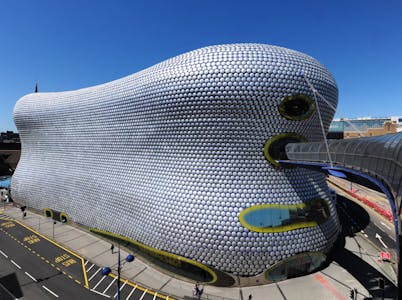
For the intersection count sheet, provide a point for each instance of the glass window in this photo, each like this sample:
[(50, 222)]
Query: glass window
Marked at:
[(300, 264), (279, 218), (275, 147), (176, 264), (297, 107)]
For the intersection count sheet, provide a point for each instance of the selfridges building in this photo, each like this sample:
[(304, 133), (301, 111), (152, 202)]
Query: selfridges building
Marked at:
[(179, 161)]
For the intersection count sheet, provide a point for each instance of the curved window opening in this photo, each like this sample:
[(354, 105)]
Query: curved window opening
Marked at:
[(297, 107), (63, 218), (48, 213), (281, 217), (300, 264), (275, 147), (171, 262)]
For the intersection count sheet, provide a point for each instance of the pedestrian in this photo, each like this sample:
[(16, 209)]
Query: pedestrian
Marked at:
[(250, 297), (112, 248), (200, 291), (196, 292)]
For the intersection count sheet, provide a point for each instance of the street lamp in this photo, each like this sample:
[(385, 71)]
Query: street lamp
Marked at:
[(54, 223), (106, 270)]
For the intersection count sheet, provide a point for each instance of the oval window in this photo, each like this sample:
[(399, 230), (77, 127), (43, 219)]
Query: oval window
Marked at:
[(176, 264), (297, 107), (298, 265), (283, 217), (275, 147)]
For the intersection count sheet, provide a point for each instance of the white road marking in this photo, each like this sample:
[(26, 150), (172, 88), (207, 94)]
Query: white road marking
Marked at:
[(115, 295), (93, 275), (15, 264), (90, 268), (385, 225), (30, 276), (110, 284), (50, 291), (362, 231), (99, 293), (129, 295), (2, 253), (86, 263), (146, 290), (155, 296), (96, 285), (377, 236)]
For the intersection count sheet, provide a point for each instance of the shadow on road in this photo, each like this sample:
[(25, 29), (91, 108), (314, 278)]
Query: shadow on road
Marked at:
[(363, 272), (367, 275), (40, 279), (346, 209)]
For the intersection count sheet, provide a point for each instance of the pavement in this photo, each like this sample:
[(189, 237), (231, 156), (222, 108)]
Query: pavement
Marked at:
[(354, 266)]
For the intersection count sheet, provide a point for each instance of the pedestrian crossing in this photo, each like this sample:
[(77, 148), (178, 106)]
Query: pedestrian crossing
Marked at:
[(106, 286)]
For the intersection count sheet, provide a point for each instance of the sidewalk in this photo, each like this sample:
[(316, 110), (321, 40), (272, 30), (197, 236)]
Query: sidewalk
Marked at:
[(97, 250), (334, 282)]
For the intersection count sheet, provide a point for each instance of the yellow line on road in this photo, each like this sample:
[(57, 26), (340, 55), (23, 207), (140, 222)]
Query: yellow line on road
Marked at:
[(60, 246), (44, 259)]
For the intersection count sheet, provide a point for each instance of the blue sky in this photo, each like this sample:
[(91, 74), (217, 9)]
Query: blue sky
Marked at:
[(65, 45)]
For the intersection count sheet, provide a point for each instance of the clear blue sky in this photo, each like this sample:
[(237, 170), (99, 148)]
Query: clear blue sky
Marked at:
[(70, 44)]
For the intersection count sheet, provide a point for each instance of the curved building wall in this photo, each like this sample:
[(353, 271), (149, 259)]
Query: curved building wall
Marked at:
[(170, 156)]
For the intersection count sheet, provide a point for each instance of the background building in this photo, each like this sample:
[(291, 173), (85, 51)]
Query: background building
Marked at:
[(10, 151), (364, 126), (9, 137)]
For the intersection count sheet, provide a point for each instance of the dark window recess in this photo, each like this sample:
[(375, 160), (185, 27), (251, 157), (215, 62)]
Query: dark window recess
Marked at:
[(297, 107), (298, 265), (168, 262), (275, 148)]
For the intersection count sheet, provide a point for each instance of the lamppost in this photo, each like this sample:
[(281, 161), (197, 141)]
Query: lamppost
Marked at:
[(54, 223), (106, 270)]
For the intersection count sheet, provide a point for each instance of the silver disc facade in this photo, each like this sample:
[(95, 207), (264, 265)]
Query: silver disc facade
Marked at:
[(171, 156)]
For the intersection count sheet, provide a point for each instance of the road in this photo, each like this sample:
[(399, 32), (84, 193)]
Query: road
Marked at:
[(356, 265), (358, 219), (44, 270), (365, 217), (30, 289), (47, 270)]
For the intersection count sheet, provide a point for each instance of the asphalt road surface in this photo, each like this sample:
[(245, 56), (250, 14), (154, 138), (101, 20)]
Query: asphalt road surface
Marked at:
[(39, 265), (379, 230), (357, 219), (47, 270)]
